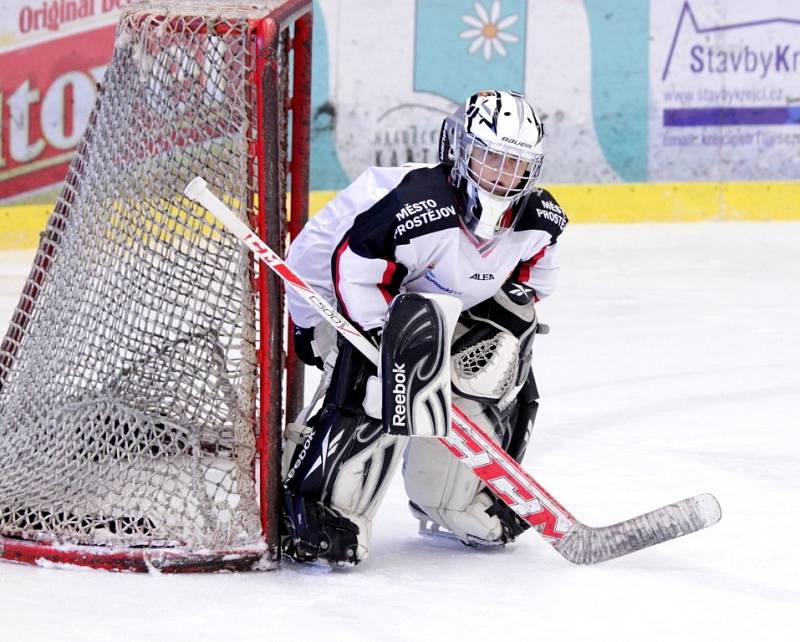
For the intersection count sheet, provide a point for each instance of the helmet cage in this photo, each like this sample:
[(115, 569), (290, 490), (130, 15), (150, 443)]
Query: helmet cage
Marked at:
[(494, 177), (505, 172)]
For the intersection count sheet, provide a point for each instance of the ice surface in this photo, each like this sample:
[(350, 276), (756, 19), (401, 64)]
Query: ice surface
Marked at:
[(672, 368)]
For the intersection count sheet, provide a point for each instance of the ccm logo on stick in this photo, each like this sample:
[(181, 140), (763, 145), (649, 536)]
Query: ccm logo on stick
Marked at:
[(399, 392)]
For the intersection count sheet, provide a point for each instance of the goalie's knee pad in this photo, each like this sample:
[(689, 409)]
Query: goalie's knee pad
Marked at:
[(334, 485)]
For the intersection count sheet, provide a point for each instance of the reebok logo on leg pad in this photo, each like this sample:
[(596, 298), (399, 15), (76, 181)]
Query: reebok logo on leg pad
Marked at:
[(399, 392)]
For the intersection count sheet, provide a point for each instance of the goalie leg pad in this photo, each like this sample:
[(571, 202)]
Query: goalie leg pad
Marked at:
[(335, 485), (448, 493), (338, 472)]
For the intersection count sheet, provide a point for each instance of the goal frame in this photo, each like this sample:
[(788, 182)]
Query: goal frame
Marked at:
[(274, 38)]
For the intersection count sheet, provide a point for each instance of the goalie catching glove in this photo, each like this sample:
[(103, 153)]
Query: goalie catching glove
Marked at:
[(493, 347)]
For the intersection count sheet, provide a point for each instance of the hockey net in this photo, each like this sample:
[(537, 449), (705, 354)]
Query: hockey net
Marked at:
[(140, 378)]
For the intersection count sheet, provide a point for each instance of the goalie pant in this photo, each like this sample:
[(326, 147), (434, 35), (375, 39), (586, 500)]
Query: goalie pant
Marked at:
[(337, 468)]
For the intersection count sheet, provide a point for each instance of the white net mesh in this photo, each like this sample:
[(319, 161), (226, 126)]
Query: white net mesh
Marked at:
[(128, 375)]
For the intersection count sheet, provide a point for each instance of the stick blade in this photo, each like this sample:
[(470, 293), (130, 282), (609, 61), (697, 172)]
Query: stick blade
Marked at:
[(586, 545)]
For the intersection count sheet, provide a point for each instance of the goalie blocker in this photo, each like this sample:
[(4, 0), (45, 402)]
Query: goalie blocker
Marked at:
[(415, 364)]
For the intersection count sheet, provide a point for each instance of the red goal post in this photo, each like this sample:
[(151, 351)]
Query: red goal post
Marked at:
[(142, 375)]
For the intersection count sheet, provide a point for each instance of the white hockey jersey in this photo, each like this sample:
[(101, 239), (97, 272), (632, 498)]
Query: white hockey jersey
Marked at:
[(397, 229)]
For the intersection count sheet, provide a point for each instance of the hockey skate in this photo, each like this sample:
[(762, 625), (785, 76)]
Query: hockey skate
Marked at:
[(312, 531), (512, 526)]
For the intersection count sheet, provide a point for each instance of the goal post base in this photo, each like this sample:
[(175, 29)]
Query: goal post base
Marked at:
[(139, 560)]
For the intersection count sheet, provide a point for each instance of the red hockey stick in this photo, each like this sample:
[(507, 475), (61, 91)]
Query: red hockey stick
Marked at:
[(575, 541)]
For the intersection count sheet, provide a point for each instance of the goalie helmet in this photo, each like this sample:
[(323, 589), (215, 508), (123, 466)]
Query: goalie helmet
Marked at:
[(494, 145)]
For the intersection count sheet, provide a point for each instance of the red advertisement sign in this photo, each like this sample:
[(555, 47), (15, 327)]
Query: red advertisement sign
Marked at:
[(47, 92)]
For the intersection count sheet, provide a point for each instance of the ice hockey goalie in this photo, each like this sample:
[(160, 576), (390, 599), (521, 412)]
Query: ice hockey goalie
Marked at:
[(474, 228)]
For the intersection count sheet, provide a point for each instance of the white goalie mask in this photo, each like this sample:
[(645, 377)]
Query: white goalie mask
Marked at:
[(494, 144)]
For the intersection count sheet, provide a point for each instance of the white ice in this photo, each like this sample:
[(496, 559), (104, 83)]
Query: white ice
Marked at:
[(672, 368)]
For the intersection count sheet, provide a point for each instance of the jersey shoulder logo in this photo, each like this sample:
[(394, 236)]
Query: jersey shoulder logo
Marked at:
[(542, 212), (482, 277), (550, 211), (423, 203)]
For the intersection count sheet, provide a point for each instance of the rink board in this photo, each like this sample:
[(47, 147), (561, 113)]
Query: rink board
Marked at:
[(20, 225)]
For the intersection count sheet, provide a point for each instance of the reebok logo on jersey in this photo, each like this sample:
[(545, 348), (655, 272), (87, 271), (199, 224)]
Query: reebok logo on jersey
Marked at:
[(520, 292), (399, 392), (482, 277)]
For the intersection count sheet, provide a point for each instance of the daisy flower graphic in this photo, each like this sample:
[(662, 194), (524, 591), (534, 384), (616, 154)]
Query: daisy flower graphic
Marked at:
[(487, 30)]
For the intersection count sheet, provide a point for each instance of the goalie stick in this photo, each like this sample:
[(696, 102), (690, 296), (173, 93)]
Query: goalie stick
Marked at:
[(575, 541)]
